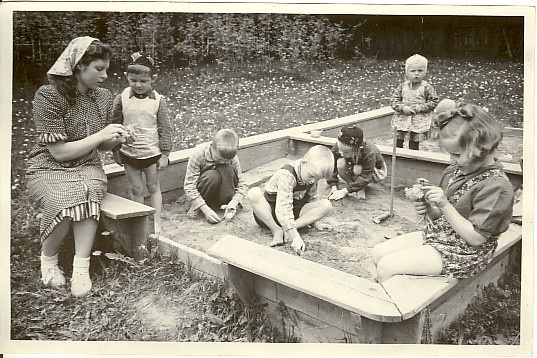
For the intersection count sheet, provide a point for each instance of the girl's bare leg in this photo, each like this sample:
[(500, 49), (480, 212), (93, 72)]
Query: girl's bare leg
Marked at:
[(419, 260), (399, 243)]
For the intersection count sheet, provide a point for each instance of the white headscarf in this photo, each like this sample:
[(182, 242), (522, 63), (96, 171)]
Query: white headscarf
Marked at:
[(416, 59), (70, 56)]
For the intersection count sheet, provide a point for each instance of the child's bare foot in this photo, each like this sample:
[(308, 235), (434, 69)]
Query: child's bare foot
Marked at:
[(278, 239), (318, 225)]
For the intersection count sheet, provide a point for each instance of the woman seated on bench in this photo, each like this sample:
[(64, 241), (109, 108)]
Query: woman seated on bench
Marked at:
[(466, 214), (72, 116)]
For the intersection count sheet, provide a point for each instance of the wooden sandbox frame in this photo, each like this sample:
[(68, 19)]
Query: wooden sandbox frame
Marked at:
[(306, 304)]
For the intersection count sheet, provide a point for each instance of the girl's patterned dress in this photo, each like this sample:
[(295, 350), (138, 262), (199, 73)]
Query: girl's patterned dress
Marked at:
[(423, 100), (458, 257), (72, 188)]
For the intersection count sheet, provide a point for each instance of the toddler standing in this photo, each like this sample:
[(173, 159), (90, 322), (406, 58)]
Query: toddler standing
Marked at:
[(413, 102), (143, 111)]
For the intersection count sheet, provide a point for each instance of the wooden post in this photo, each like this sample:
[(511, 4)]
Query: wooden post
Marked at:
[(394, 155)]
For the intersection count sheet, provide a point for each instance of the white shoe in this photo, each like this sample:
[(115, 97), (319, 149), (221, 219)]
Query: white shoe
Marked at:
[(52, 276), (80, 281)]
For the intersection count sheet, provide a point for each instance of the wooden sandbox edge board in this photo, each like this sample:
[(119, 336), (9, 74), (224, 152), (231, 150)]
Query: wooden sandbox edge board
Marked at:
[(401, 152), (196, 260), (403, 306), (209, 265), (183, 155), (356, 294)]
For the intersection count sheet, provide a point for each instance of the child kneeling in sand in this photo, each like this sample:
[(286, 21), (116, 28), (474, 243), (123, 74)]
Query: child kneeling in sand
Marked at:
[(214, 177), (357, 162), (290, 200)]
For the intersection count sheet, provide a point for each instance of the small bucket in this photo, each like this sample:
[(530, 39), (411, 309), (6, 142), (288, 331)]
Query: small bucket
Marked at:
[(316, 133)]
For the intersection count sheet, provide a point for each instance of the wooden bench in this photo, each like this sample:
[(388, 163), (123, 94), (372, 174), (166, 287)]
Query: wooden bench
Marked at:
[(129, 223), (320, 304)]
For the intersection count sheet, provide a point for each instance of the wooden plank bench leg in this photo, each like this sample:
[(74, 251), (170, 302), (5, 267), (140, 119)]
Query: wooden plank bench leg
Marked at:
[(131, 234), (241, 280), (129, 223)]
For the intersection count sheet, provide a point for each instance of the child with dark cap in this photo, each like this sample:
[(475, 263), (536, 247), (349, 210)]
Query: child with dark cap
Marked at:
[(143, 111), (357, 162)]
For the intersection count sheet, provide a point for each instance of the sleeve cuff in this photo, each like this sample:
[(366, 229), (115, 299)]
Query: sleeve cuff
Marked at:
[(52, 137)]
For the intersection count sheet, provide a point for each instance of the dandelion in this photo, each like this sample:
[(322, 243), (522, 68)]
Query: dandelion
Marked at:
[(416, 193)]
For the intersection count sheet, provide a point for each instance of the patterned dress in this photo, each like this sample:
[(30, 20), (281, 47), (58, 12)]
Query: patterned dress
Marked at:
[(72, 188), (423, 100), (485, 198)]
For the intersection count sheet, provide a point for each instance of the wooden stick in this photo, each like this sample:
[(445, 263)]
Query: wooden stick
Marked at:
[(394, 155)]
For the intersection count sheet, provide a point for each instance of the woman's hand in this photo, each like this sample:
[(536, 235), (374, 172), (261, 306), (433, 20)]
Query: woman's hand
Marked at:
[(115, 132), (112, 135)]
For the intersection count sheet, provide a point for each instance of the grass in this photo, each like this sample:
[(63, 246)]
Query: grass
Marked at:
[(158, 299), (131, 301)]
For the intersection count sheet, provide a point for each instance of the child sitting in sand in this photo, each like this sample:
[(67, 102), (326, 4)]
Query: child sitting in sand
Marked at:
[(466, 213), (357, 162), (290, 200)]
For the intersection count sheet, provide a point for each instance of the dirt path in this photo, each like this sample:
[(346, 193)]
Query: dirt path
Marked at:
[(346, 247)]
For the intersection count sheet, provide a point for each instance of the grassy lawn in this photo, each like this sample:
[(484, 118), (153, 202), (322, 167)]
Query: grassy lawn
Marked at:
[(132, 301)]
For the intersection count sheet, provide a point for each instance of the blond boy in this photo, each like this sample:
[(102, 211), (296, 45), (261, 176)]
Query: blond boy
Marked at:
[(289, 200)]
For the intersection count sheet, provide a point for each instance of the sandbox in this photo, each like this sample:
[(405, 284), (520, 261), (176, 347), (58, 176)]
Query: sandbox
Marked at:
[(330, 297)]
